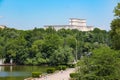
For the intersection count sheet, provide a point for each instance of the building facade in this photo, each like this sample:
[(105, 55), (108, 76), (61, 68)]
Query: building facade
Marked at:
[(2, 26), (74, 23)]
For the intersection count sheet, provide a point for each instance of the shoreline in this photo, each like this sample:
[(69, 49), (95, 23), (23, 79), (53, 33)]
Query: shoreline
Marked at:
[(7, 64), (58, 75)]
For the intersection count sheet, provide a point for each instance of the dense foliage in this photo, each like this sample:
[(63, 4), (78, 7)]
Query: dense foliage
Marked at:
[(39, 46), (115, 29), (103, 64), (36, 74), (61, 67), (50, 70)]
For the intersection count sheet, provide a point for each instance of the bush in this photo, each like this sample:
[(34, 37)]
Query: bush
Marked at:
[(74, 75), (36, 74), (61, 67), (50, 70), (71, 65)]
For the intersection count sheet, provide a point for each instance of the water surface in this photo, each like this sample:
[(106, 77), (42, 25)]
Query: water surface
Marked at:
[(19, 72)]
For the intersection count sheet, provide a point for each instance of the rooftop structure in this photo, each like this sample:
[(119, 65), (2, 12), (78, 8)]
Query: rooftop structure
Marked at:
[(74, 23), (2, 26)]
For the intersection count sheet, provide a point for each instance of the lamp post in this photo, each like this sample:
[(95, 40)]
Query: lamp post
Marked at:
[(76, 51), (76, 56)]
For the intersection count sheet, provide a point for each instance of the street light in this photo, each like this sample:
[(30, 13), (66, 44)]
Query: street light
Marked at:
[(76, 51), (76, 57), (75, 60)]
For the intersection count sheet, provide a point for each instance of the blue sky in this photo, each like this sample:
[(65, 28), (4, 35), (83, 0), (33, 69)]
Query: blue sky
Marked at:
[(27, 14)]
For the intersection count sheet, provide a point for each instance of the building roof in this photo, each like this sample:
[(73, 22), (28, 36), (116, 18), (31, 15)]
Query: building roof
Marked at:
[(77, 19)]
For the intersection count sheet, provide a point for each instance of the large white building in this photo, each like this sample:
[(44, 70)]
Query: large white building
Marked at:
[(74, 23), (2, 26)]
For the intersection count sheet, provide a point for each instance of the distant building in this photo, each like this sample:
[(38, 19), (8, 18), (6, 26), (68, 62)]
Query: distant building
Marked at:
[(74, 23), (2, 26)]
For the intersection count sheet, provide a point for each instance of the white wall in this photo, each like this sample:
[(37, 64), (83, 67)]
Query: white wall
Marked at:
[(77, 22), (1, 61)]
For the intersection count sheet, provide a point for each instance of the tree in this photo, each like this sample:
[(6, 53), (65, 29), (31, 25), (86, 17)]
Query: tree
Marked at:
[(62, 56), (51, 43), (115, 29), (117, 10), (35, 57), (39, 46), (103, 64)]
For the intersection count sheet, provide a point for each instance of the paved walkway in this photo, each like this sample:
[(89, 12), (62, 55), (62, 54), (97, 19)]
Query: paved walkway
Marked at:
[(61, 75)]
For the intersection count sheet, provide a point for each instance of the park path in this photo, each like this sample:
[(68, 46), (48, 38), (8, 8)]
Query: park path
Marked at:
[(61, 75)]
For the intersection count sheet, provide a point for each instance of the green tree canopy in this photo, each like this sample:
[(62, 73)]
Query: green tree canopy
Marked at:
[(115, 29), (103, 64)]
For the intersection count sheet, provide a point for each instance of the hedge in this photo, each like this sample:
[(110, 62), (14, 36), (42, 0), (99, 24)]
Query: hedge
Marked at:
[(71, 65), (36, 74), (74, 75), (61, 67), (50, 70)]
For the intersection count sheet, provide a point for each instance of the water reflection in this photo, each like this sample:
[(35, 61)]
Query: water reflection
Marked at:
[(11, 67), (1, 68), (13, 72), (2, 61)]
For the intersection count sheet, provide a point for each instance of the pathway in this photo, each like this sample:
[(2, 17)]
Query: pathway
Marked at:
[(61, 75)]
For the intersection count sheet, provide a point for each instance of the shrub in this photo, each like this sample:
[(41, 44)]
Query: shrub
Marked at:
[(50, 70), (71, 65), (64, 67), (74, 75), (36, 74), (61, 67)]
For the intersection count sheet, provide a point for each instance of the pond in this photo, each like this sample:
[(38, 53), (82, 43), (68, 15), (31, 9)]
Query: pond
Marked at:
[(19, 72)]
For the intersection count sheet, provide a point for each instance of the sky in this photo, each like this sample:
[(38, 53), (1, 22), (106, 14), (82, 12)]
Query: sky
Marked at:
[(28, 14)]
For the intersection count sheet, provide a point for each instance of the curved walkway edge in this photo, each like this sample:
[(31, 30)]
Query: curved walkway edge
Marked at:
[(61, 75)]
